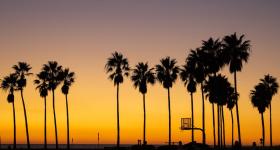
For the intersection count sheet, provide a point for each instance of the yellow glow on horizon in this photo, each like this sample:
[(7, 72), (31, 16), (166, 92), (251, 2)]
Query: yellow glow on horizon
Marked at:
[(96, 112), (83, 36)]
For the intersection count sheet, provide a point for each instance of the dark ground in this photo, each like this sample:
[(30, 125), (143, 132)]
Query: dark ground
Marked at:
[(190, 146)]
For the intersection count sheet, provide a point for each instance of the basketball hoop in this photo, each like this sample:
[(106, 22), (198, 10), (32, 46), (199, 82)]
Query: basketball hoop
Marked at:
[(186, 123)]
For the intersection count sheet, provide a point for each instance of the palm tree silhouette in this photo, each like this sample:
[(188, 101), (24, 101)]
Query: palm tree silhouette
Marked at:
[(42, 85), (272, 86), (186, 75), (21, 71), (212, 61), (10, 83), (141, 76), (117, 67), (196, 62), (230, 104), (68, 79), (259, 98), (235, 52), (53, 70), (219, 90), (167, 72)]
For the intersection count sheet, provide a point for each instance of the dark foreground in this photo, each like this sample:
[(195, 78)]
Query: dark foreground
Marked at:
[(137, 147), (192, 148)]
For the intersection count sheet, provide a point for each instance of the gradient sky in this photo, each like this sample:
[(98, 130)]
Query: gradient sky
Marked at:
[(83, 34)]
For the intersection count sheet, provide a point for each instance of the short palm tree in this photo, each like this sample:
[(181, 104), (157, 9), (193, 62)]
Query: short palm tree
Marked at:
[(141, 76), (230, 105), (166, 73), (117, 67), (235, 52), (68, 79), (22, 70), (186, 75), (219, 90), (53, 70), (42, 85), (10, 83), (259, 98), (272, 86)]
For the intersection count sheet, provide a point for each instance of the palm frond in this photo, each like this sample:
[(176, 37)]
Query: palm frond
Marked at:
[(117, 66)]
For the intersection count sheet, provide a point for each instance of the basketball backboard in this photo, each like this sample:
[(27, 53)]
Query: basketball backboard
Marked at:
[(186, 123)]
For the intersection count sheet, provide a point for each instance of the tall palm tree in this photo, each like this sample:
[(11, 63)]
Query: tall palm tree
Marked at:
[(53, 71), (219, 90), (272, 86), (230, 105), (22, 70), (141, 76), (167, 72), (259, 98), (236, 51), (68, 79), (42, 85), (117, 67), (212, 62), (186, 75), (195, 61), (9, 83)]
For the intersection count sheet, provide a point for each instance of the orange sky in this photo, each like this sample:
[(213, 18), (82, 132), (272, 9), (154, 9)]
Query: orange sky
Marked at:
[(83, 35)]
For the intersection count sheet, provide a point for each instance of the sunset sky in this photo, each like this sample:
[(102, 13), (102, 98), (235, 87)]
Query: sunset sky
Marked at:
[(81, 35)]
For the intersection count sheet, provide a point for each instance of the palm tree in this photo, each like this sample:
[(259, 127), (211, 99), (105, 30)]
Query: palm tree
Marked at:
[(212, 52), (68, 80), (236, 51), (186, 75), (212, 62), (259, 98), (141, 76), (53, 70), (219, 90), (117, 67), (195, 61), (272, 86), (21, 71), (42, 85), (230, 104), (167, 72), (9, 83)]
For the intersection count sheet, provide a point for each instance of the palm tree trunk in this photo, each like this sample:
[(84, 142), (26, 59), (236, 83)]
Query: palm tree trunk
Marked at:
[(270, 123), (45, 124), (224, 131), (232, 127), (203, 115), (263, 131), (218, 122), (214, 127), (118, 119), (144, 128), (221, 127), (26, 122), (237, 111), (15, 130), (54, 116), (169, 119), (67, 113), (192, 117)]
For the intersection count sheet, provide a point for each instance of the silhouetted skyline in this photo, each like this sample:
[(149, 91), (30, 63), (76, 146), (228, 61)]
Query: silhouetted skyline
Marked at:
[(82, 35)]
